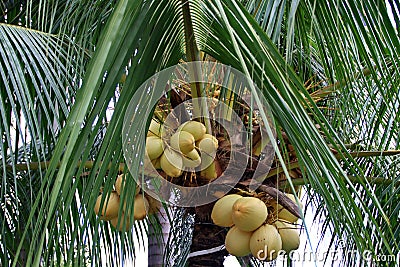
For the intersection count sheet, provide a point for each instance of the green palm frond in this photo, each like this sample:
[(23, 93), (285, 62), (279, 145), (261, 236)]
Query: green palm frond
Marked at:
[(36, 90), (282, 90)]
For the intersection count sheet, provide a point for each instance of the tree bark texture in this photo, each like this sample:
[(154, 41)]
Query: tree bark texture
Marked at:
[(207, 235)]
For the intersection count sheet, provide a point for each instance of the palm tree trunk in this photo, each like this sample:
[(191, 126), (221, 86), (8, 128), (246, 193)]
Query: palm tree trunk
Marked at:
[(208, 241), (157, 241)]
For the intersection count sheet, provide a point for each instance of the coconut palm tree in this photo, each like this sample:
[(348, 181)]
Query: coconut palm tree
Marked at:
[(328, 70)]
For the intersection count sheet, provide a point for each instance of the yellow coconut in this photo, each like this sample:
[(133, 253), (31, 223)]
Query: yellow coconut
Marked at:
[(265, 243), (289, 235), (124, 221), (120, 182), (208, 145), (182, 141), (209, 172), (286, 215), (222, 211), (237, 242), (248, 213), (206, 160), (208, 148), (141, 207), (191, 159), (156, 163), (155, 129), (154, 147), (211, 137), (110, 206), (197, 129), (171, 163)]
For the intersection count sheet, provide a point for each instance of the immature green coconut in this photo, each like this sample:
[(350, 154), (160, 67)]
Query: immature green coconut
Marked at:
[(249, 213), (123, 221), (171, 163), (265, 243), (182, 141), (110, 206), (222, 211), (154, 147), (197, 129), (286, 215), (289, 235), (237, 242)]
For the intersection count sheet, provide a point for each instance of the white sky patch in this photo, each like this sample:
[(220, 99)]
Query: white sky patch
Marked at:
[(391, 12)]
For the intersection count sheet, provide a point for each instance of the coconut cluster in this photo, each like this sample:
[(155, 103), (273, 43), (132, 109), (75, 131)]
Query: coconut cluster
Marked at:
[(189, 147), (110, 207), (249, 232)]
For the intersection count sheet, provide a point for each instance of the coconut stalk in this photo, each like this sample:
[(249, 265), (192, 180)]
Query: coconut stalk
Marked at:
[(193, 55)]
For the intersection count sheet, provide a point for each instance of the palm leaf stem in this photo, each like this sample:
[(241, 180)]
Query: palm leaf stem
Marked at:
[(193, 54), (352, 178)]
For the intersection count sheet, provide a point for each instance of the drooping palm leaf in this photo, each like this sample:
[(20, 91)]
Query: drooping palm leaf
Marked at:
[(35, 92), (282, 105)]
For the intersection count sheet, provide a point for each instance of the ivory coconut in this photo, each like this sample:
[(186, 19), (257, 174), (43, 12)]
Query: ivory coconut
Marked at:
[(110, 206), (237, 242), (208, 148), (197, 129), (156, 163), (286, 215), (211, 138), (182, 141), (289, 235), (155, 129), (191, 159), (120, 182), (171, 163), (124, 221), (208, 145), (141, 207), (265, 243), (154, 147), (222, 211), (249, 213), (210, 172)]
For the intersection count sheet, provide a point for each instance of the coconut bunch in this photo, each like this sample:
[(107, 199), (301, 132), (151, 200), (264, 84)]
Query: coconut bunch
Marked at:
[(249, 232), (110, 207), (189, 147)]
